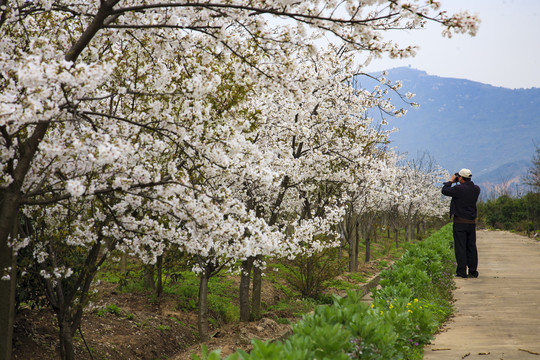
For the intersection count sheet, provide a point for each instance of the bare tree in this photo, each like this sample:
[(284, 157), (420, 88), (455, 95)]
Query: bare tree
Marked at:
[(533, 175)]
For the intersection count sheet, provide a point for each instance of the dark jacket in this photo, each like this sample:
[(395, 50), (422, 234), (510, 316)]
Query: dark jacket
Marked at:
[(464, 198)]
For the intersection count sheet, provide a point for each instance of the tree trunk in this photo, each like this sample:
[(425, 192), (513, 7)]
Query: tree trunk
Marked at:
[(159, 265), (8, 278), (67, 351), (396, 237), (148, 279), (353, 251), (123, 263), (8, 219), (62, 300), (202, 320), (256, 294), (245, 279), (7, 300), (356, 245), (406, 232), (368, 247)]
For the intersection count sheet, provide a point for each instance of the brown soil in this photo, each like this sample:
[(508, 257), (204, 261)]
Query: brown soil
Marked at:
[(146, 330), (142, 330)]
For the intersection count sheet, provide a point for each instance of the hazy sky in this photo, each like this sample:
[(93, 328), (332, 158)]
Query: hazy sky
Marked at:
[(505, 52)]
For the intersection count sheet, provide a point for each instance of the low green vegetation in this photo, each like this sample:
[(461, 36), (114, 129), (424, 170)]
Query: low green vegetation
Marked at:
[(109, 309), (163, 327), (413, 301), (302, 285)]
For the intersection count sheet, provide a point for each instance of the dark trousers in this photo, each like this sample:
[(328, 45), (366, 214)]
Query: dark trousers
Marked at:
[(465, 249)]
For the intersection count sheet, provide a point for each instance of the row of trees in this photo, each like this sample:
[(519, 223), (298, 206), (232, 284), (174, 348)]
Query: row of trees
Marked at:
[(140, 125)]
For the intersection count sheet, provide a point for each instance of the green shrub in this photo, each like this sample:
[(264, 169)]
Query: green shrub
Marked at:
[(309, 274), (507, 213)]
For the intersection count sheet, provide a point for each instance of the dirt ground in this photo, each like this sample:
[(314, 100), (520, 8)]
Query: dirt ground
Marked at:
[(141, 330), (146, 330)]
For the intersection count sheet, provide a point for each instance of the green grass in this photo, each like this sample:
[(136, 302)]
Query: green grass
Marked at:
[(109, 309), (181, 323), (163, 327), (359, 277), (222, 296)]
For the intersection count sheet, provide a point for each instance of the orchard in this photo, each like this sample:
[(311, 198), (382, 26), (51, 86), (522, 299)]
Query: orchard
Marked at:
[(232, 130)]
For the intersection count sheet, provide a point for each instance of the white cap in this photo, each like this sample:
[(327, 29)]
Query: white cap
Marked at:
[(466, 173)]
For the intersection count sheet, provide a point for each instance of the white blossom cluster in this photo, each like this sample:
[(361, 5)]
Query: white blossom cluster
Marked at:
[(205, 127)]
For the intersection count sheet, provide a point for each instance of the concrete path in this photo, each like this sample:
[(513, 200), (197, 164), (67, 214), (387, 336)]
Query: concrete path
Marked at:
[(497, 315)]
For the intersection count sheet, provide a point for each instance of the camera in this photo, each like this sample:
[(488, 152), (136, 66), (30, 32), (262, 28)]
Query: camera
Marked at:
[(457, 177)]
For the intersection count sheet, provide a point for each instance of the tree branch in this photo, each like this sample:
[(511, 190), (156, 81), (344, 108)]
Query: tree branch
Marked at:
[(26, 200), (105, 10)]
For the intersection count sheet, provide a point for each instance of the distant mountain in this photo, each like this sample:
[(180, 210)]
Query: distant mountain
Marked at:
[(461, 123)]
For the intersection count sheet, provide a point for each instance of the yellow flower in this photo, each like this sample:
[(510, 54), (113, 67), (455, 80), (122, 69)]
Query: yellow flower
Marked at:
[(391, 306), (381, 312), (420, 307), (372, 306), (408, 304), (415, 300), (409, 311)]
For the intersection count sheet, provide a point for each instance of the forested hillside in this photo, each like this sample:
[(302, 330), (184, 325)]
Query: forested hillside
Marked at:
[(463, 123)]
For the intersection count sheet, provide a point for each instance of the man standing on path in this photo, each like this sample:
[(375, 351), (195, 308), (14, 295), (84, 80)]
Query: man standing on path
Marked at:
[(463, 210)]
